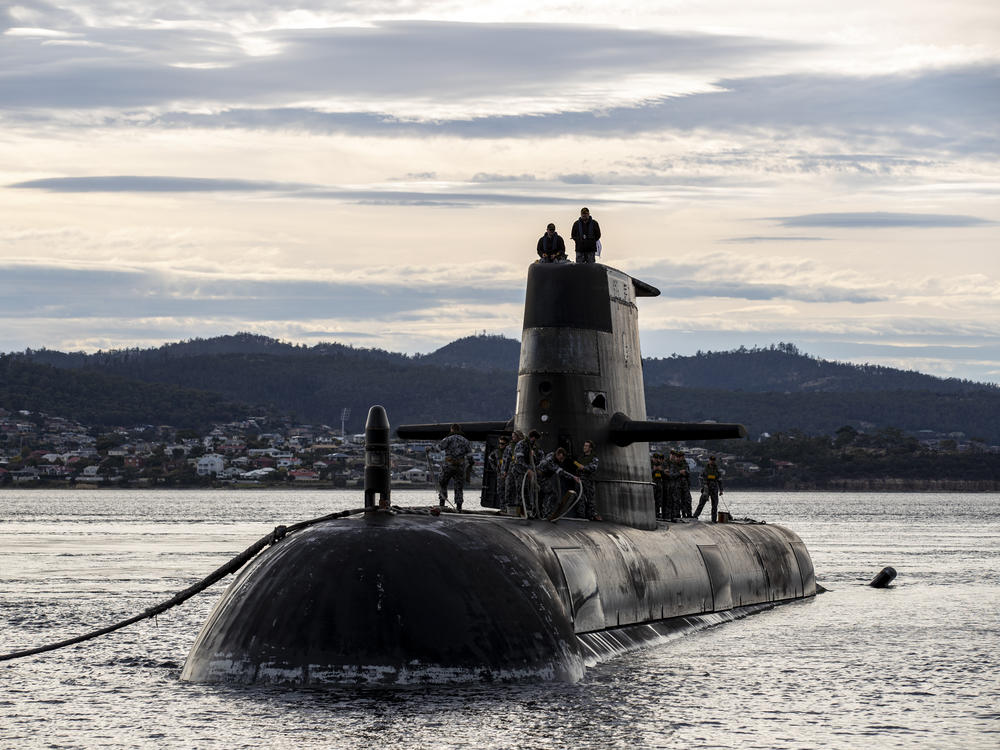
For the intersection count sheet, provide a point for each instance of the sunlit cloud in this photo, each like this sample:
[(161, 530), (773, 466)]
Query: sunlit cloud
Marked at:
[(883, 220)]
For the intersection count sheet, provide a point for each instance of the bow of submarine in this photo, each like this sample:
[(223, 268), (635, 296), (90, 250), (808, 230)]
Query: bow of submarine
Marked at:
[(392, 598)]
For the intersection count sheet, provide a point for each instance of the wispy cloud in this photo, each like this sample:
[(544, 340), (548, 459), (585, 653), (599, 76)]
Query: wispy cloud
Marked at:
[(431, 195), (882, 220), (488, 80), (952, 110), (153, 184), (788, 238), (390, 61), (53, 292)]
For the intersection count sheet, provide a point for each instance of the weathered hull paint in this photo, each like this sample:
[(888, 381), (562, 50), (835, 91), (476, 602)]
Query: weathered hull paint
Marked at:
[(402, 599)]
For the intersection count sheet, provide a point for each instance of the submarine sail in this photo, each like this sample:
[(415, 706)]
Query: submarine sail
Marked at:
[(400, 595)]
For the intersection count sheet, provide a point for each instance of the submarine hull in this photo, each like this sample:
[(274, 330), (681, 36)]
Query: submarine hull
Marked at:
[(387, 598)]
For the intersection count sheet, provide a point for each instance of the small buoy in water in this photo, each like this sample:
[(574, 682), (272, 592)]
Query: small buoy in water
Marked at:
[(884, 578)]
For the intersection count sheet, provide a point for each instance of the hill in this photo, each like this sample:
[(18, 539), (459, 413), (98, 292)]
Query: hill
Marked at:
[(92, 397), (478, 353), (777, 389), (782, 368), (312, 384), (975, 413)]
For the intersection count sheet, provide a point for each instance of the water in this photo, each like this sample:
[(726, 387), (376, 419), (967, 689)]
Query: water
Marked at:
[(913, 666)]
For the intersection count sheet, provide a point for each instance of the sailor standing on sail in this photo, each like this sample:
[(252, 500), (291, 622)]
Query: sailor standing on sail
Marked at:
[(585, 234), (456, 450)]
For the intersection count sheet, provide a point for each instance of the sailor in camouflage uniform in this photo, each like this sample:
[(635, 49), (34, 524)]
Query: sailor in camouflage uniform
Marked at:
[(526, 457), (671, 487), (550, 471), (497, 459), (456, 450), (659, 479), (510, 500), (711, 488), (586, 467), (684, 486)]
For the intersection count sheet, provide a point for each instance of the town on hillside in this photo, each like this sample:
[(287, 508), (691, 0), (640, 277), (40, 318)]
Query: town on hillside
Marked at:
[(42, 450)]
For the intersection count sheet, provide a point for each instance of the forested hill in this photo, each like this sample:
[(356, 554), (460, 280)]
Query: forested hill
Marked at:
[(782, 368), (239, 343), (776, 389), (93, 397), (478, 353)]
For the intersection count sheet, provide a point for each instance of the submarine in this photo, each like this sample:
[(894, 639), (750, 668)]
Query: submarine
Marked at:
[(414, 595)]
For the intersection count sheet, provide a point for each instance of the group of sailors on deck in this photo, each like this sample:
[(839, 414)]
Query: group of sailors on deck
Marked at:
[(538, 485)]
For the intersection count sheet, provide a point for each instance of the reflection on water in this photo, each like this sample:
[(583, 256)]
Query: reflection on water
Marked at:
[(914, 665)]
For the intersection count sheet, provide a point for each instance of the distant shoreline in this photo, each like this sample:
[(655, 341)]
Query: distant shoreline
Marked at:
[(842, 485)]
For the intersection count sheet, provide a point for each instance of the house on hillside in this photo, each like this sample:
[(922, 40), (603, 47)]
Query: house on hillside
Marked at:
[(211, 464)]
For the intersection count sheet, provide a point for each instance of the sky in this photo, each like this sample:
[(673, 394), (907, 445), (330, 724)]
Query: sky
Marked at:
[(377, 173)]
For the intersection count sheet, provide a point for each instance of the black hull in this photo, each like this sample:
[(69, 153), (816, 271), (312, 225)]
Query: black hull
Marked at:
[(411, 598)]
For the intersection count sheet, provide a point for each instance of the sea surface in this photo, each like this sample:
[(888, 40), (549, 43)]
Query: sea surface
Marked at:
[(913, 666)]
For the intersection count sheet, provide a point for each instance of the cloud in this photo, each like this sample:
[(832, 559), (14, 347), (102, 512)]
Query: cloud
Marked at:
[(152, 184), (755, 279), (944, 111), (28, 291), (750, 240), (762, 291), (388, 60), (882, 220), (486, 80), (430, 196)]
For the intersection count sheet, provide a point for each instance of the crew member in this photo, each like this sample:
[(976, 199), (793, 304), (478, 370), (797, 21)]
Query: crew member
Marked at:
[(511, 498), (671, 486), (550, 471), (711, 487), (586, 466), (498, 459), (526, 457), (683, 486), (586, 233), (659, 479), (551, 247), (457, 449)]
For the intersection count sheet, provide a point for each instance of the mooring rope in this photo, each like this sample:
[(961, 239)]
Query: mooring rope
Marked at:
[(279, 533), (579, 497)]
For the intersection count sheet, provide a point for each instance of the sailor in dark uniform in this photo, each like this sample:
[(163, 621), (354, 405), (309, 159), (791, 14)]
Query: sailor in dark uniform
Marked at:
[(659, 480), (684, 485), (586, 467), (711, 488), (526, 457), (457, 449), (550, 479), (551, 247)]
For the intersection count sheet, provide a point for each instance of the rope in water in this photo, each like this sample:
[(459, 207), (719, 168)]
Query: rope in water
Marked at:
[(279, 533)]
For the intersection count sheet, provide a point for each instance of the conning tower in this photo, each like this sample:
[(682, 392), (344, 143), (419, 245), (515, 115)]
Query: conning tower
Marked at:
[(580, 378), (580, 367)]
